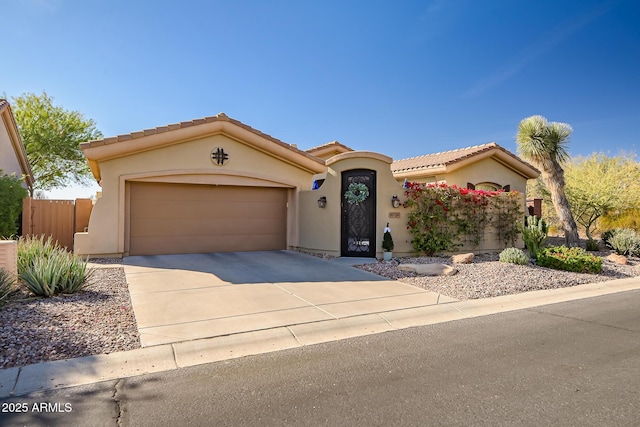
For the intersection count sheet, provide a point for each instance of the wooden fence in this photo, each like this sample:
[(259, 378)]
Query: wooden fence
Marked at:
[(60, 219)]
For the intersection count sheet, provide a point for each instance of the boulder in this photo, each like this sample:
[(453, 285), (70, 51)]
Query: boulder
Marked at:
[(618, 259), (463, 258), (429, 269)]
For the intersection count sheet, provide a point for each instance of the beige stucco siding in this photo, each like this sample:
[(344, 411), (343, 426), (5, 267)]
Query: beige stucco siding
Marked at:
[(320, 228), (487, 170), (186, 162), (8, 160)]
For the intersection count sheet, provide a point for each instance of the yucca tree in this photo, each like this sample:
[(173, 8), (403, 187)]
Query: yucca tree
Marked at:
[(543, 144)]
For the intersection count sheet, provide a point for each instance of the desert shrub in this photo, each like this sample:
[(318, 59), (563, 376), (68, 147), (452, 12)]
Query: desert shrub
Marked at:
[(47, 269), (606, 235), (514, 256), (7, 285), (534, 234), (592, 245), (569, 259), (624, 241), (629, 218)]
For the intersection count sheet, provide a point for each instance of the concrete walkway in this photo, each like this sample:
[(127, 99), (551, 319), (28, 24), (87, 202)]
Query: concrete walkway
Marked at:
[(175, 355), (188, 297)]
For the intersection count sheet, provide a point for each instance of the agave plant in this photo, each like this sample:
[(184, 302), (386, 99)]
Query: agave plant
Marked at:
[(48, 269), (7, 283)]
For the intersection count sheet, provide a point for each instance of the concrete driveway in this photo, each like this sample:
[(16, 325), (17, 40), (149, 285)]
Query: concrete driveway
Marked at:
[(191, 296)]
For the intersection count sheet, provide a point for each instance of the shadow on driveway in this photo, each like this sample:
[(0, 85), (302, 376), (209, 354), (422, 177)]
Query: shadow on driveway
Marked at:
[(256, 267)]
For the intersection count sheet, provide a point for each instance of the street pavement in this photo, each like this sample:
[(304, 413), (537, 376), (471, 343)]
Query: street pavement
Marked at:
[(571, 363)]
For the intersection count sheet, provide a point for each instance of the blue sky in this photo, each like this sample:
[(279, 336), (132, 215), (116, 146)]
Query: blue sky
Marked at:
[(402, 78)]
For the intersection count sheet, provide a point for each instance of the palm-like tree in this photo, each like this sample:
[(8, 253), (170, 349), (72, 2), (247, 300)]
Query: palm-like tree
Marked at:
[(543, 144)]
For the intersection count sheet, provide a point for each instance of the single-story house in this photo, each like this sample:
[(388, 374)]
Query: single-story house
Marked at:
[(13, 157), (218, 185)]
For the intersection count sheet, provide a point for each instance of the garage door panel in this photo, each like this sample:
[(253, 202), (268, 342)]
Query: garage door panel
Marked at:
[(200, 244), (203, 208), (185, 218), (150, 227)]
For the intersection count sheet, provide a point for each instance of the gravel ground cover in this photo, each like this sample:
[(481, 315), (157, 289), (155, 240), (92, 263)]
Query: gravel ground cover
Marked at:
[(95, 321), (487, 277)]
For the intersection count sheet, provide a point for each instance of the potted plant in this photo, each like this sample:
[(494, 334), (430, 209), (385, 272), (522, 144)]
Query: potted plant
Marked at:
[(387, 244)]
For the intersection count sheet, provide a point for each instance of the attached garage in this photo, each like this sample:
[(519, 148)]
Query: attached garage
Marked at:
[(201, 186), (191, 218)]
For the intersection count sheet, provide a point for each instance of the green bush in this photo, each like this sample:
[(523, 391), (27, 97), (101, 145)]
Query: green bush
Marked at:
[(48, 269), (514, 256), (11, 194), (624, 241), (606, 235), (534, 234), (7, 285), (592, 245), (569, 259)]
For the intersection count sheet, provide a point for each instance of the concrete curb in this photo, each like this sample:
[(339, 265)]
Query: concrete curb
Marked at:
[(104, 367)]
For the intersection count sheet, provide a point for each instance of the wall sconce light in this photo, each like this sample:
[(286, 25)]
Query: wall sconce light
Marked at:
[(395, 202), (322, 202)]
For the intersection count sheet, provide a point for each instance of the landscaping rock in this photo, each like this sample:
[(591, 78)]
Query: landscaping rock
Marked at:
[(618, 259), (429, 269), (463, 258)]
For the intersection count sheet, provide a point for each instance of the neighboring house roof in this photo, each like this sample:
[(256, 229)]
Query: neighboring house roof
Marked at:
[(149, 139), (447, 161), (10, 124), (329, 149)]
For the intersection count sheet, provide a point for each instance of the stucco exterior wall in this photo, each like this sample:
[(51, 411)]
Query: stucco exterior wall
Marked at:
[(320, 228), (487, 170), (186, 162), (8, 161)]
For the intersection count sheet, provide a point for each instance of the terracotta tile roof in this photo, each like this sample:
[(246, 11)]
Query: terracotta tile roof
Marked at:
[(329, 145), (446, 158), (176, 126)]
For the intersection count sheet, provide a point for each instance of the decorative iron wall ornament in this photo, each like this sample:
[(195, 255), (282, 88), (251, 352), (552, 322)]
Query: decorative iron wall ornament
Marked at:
[(218, 156)]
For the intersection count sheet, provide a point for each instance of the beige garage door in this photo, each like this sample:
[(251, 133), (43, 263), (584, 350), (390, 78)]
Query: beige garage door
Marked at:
[(189, 218)]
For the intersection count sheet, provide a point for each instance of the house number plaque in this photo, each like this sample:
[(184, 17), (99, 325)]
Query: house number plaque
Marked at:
[(218, 156)]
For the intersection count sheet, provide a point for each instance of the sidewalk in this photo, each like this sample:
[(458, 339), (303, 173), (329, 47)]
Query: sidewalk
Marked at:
[(91, 369)]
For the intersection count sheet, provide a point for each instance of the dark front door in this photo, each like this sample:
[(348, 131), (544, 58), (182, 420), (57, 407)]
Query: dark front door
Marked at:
[(358, 236)]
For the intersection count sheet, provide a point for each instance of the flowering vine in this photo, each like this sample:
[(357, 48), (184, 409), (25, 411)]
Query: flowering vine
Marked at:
[(444, 217)]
